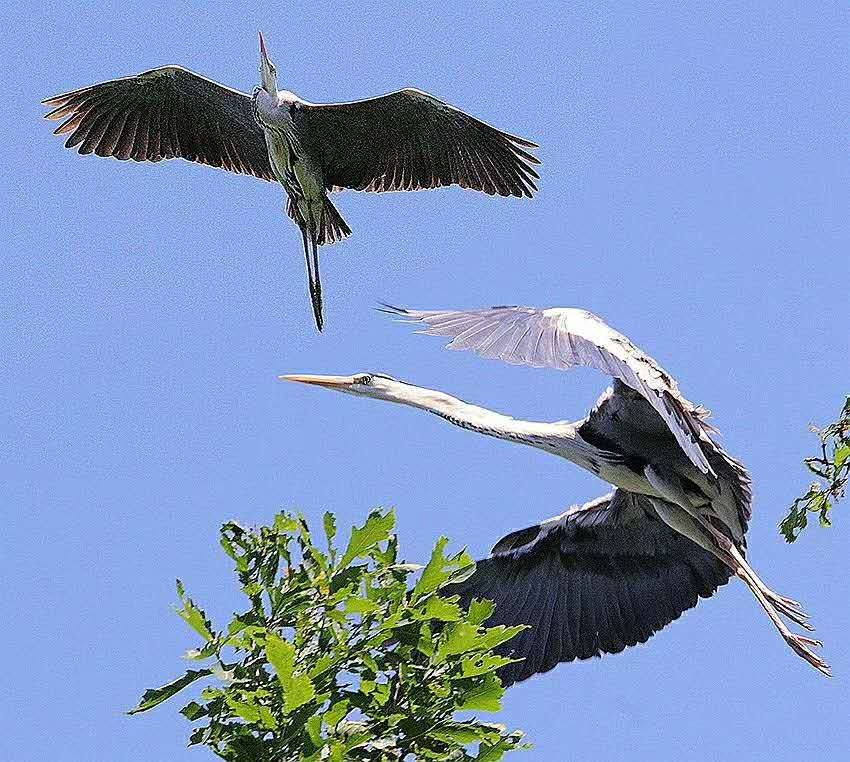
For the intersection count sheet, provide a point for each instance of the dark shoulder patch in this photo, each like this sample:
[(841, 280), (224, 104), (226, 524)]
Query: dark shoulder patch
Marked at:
[(516, 539)]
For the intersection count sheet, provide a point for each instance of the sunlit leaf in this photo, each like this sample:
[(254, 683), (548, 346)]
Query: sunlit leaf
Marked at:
[(285, 524), (314, 730), (841, 455), (337, 712), (480, 611), (832, 469), (441, 568), (467, 732), (494, 751), (298, 689), (459, 638), (193, 711), (252, 712), (154, 696), (442, 610), (482, 663), (363, 539), (329, 521), (495, 636), (354, 605), (192, 615), (486, 697)]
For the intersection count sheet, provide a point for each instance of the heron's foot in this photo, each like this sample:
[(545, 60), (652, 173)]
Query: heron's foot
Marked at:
[(790, 608), (800, 645)]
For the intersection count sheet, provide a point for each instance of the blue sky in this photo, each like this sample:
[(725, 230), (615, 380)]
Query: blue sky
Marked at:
[(694, 193)]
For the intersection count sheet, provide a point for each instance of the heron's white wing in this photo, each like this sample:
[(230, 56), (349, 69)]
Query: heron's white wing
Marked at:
[(600, 577), (165, 113), (563, 338), (410, 140)]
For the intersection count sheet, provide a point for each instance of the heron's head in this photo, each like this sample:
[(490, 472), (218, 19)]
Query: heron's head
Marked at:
[(366, 384), (268, 73)]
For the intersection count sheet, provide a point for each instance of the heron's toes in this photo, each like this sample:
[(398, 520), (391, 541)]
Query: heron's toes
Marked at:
[(790, 608), (799, 644), (799, 617)]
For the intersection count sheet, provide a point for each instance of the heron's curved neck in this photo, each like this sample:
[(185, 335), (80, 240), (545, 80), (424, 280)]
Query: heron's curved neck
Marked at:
[(557, 437)]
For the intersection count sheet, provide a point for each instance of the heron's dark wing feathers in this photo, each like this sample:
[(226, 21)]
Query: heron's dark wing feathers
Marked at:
[(563, 338), (164, 113), (410, 140), (600, 577)]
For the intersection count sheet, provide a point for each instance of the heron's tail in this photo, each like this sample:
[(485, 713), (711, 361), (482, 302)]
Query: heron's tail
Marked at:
[(332, 227)]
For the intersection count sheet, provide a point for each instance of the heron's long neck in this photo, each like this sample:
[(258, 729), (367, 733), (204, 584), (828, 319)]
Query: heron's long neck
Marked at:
[(558, 437)]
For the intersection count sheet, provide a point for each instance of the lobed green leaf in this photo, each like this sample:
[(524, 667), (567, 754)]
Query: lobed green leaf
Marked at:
[(154, 696), (364, 539)]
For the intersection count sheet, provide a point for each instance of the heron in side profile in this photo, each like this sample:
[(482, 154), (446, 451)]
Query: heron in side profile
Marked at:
[(612, 572), (404, 141)]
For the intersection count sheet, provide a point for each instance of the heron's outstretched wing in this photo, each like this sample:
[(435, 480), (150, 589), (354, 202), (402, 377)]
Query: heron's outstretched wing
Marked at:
[(563, 338), (410, 140), (164, 113), (600, 577)]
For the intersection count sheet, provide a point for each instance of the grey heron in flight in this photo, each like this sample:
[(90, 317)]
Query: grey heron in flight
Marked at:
[(406, 140), (610, 573)]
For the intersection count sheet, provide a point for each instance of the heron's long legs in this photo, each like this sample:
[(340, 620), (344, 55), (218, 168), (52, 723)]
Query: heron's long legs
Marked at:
[(695, 526), (771, 602), (799, 643), (309, 234), (786, 606)]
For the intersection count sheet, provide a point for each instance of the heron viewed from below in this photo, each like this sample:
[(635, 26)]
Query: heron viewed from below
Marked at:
[(407, 140), (610, 573)]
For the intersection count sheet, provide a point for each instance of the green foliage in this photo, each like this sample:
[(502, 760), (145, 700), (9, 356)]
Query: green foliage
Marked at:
[(832, 468), (338, 658)]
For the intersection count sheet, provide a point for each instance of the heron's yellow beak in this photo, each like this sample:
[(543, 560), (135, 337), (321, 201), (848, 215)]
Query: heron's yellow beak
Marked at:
[(329, 382)]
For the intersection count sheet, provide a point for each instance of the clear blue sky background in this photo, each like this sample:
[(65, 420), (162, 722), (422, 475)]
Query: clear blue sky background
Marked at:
[(694, 193)]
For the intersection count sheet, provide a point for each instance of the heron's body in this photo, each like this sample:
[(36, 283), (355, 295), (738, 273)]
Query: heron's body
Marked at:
[(278, 139), (407, 140), (609, 573), (298, 172)]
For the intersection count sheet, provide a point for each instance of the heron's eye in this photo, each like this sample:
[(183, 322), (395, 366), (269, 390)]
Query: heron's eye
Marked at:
[(365, 380)]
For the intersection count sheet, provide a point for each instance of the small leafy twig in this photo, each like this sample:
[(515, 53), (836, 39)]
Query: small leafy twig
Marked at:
[(832, 468)]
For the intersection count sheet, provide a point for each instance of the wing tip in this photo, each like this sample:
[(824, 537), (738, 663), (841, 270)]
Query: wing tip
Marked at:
[(391, 309), (402, 314), (55, 100)]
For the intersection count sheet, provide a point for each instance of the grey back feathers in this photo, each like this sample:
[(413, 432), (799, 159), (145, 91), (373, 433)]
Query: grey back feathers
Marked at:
[(625, 420)]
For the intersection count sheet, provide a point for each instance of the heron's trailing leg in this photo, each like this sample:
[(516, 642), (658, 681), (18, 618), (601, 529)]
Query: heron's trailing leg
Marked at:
[(309, 234), (734, 559), (799, 643), (693, 523), (771, 602), (699, 529)]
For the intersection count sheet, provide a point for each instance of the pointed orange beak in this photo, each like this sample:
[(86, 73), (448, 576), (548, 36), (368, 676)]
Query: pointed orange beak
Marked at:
[(329, 382)]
